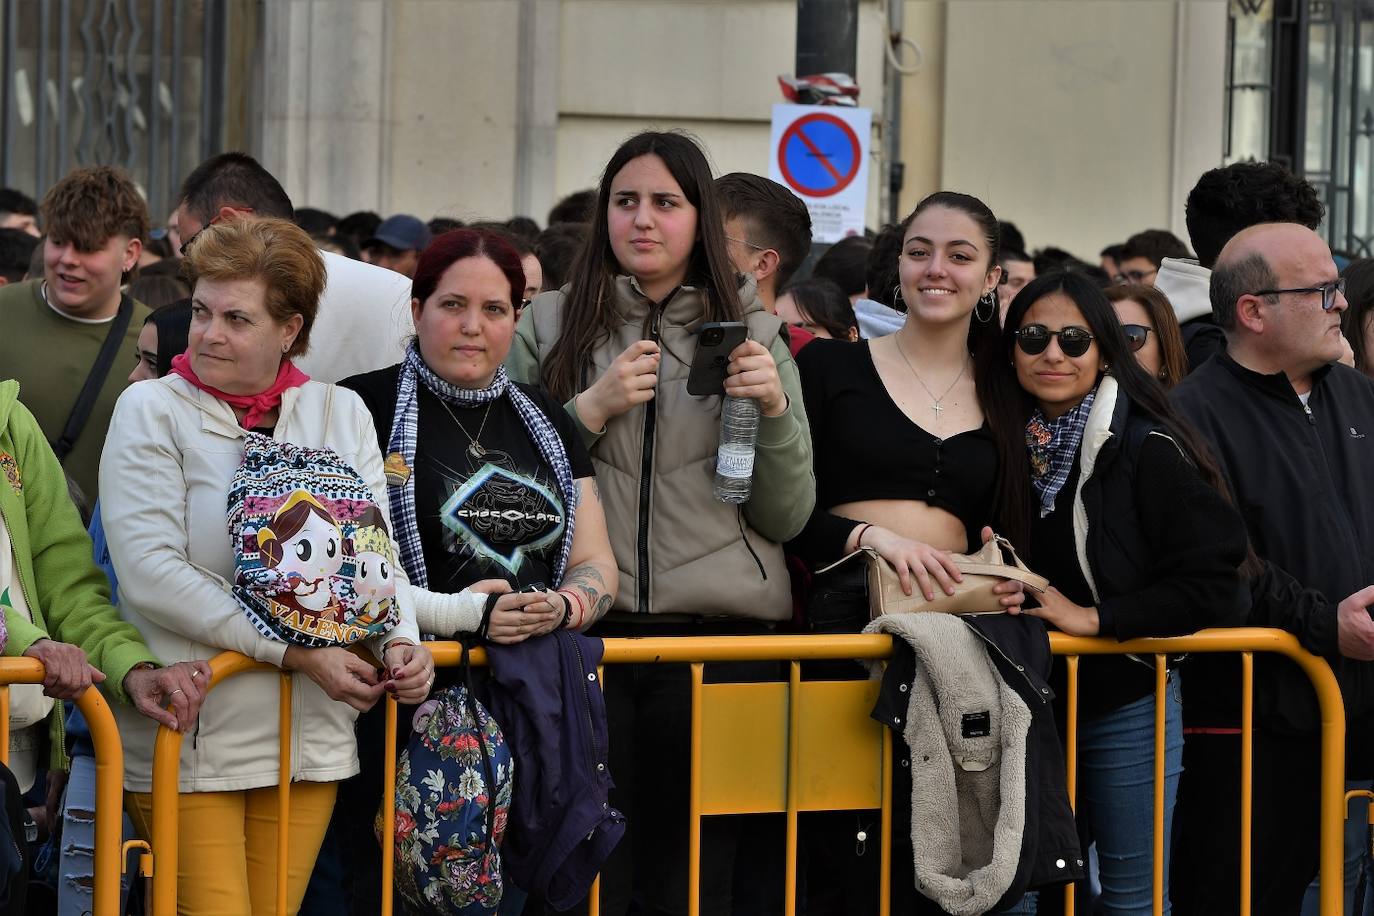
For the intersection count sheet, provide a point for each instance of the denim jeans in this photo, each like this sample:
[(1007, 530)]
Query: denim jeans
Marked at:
[(1356, 857), (1116, 800)]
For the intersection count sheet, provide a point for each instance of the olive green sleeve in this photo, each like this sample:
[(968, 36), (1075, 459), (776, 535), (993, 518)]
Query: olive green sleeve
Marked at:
[(784, 479)]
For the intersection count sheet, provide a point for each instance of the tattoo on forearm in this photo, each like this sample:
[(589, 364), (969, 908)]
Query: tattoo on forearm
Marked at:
[(586, 577), (589, 579)]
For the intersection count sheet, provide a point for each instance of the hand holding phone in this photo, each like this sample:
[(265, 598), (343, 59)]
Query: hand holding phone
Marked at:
[(711, 361)]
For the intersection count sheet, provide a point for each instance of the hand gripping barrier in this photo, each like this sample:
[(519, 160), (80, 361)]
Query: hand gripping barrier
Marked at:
[(109, 774), (795, 746)]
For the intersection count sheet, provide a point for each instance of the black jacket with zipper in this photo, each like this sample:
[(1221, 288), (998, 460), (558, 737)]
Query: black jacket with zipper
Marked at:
[(1160, 549), (1301, 477), (1149, 543)]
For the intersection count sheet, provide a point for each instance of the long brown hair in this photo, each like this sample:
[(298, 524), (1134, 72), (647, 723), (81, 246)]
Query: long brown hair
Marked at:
[(1164, 324), (589, 314)]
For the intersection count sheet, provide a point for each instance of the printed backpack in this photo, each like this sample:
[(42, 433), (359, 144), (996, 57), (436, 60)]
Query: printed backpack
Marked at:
[(453, 792), (314, 560)]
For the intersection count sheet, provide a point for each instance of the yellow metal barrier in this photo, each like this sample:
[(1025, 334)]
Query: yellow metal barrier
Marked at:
[(773, 747), (109, 775)]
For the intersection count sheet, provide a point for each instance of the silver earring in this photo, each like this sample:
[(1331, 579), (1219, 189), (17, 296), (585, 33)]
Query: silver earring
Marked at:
[(285, 347), (897, 302), (990, 300)]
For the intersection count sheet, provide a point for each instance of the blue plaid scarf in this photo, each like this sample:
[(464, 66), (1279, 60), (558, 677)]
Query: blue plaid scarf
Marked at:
[(404, 428), (1053, 447)]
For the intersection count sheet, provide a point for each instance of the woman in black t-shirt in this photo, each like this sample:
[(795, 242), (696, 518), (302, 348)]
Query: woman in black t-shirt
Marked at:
[(491, 490), (491, 487)]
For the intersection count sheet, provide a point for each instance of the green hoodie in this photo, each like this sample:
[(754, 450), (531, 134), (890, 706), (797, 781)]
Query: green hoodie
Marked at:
[(67, 594)]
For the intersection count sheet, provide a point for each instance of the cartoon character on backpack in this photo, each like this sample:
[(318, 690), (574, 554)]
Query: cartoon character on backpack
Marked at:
[(305, 545), (314, 562), (373, 578)]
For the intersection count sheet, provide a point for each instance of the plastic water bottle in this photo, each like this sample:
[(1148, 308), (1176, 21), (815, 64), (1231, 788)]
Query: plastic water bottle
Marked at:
[(739, 430)]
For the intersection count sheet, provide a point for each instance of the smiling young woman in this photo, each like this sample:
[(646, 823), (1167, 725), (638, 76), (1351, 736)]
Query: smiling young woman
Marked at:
[(913, 452)]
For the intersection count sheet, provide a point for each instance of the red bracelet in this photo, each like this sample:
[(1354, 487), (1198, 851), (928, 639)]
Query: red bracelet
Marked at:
[(858, 539), (581, 606)]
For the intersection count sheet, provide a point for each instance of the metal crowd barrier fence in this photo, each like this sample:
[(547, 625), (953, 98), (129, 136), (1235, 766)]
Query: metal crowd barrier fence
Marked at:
[(797, 746), (109, 774)]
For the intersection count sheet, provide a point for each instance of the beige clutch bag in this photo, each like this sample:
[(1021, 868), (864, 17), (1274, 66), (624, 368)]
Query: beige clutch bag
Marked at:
[(982, 570)]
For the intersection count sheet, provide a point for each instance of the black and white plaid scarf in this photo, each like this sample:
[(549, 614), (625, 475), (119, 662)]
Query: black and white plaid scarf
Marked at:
[(404, 428), (1053, 447)]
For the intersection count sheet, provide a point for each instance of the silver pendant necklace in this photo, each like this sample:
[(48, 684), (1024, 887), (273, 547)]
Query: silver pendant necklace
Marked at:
[(474, 445), (935, 404)]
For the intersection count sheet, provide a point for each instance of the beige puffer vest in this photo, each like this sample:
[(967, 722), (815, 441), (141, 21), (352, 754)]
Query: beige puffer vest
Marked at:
[(680, 552)]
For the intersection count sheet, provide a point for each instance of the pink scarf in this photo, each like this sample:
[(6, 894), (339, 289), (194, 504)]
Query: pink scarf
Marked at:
[(264, 402)]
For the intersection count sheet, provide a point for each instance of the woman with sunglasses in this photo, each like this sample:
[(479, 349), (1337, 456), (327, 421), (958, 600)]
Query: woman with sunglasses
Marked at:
[(1151, 330), (1130, 525)]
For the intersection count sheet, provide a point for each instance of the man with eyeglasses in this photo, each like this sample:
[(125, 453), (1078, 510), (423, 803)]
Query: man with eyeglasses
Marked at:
[(1223, 202), (1294, 435)]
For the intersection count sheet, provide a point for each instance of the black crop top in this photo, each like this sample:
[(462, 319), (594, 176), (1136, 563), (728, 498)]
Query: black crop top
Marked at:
[(865, 447)]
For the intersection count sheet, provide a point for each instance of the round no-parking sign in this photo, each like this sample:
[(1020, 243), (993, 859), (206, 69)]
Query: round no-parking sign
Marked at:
[(822, 155), (819, 155)]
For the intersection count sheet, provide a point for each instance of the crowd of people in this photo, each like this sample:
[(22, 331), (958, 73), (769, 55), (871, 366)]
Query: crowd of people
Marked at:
[(272, 430)]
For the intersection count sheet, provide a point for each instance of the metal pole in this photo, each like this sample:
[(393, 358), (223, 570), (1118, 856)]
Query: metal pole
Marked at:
[(827, 36), (8, 61), (892, 119), (40, 100)]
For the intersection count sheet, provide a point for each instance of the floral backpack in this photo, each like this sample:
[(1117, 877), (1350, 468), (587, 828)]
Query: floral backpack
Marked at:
[(314, 560), (453, 792)]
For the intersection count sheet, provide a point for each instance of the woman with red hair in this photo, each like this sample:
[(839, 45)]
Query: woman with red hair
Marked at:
[(491, 488)]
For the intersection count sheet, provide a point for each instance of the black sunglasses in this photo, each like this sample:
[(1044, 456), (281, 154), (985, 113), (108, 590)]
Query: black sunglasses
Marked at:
[(1073, 340), (1136, 335)]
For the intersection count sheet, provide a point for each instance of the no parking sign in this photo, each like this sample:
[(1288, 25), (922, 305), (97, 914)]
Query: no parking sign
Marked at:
[(821, 153)]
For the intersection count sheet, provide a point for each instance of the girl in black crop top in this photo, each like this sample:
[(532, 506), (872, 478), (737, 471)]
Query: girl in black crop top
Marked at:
[(906, 419), (899, 421)]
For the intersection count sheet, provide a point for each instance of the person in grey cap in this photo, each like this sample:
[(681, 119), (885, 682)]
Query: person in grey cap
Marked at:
[(397, 244)]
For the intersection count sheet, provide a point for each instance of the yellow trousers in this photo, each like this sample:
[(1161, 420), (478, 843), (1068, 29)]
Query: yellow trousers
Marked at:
[(227, 847)]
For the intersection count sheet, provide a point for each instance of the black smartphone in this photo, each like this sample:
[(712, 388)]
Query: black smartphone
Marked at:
[(711, 362)]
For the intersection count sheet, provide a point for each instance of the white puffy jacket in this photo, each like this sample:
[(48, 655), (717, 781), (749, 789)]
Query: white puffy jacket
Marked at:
[(164, 488)]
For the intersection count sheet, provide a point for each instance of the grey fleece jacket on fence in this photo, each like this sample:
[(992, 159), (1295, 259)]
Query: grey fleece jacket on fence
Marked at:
[(967, 732)]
